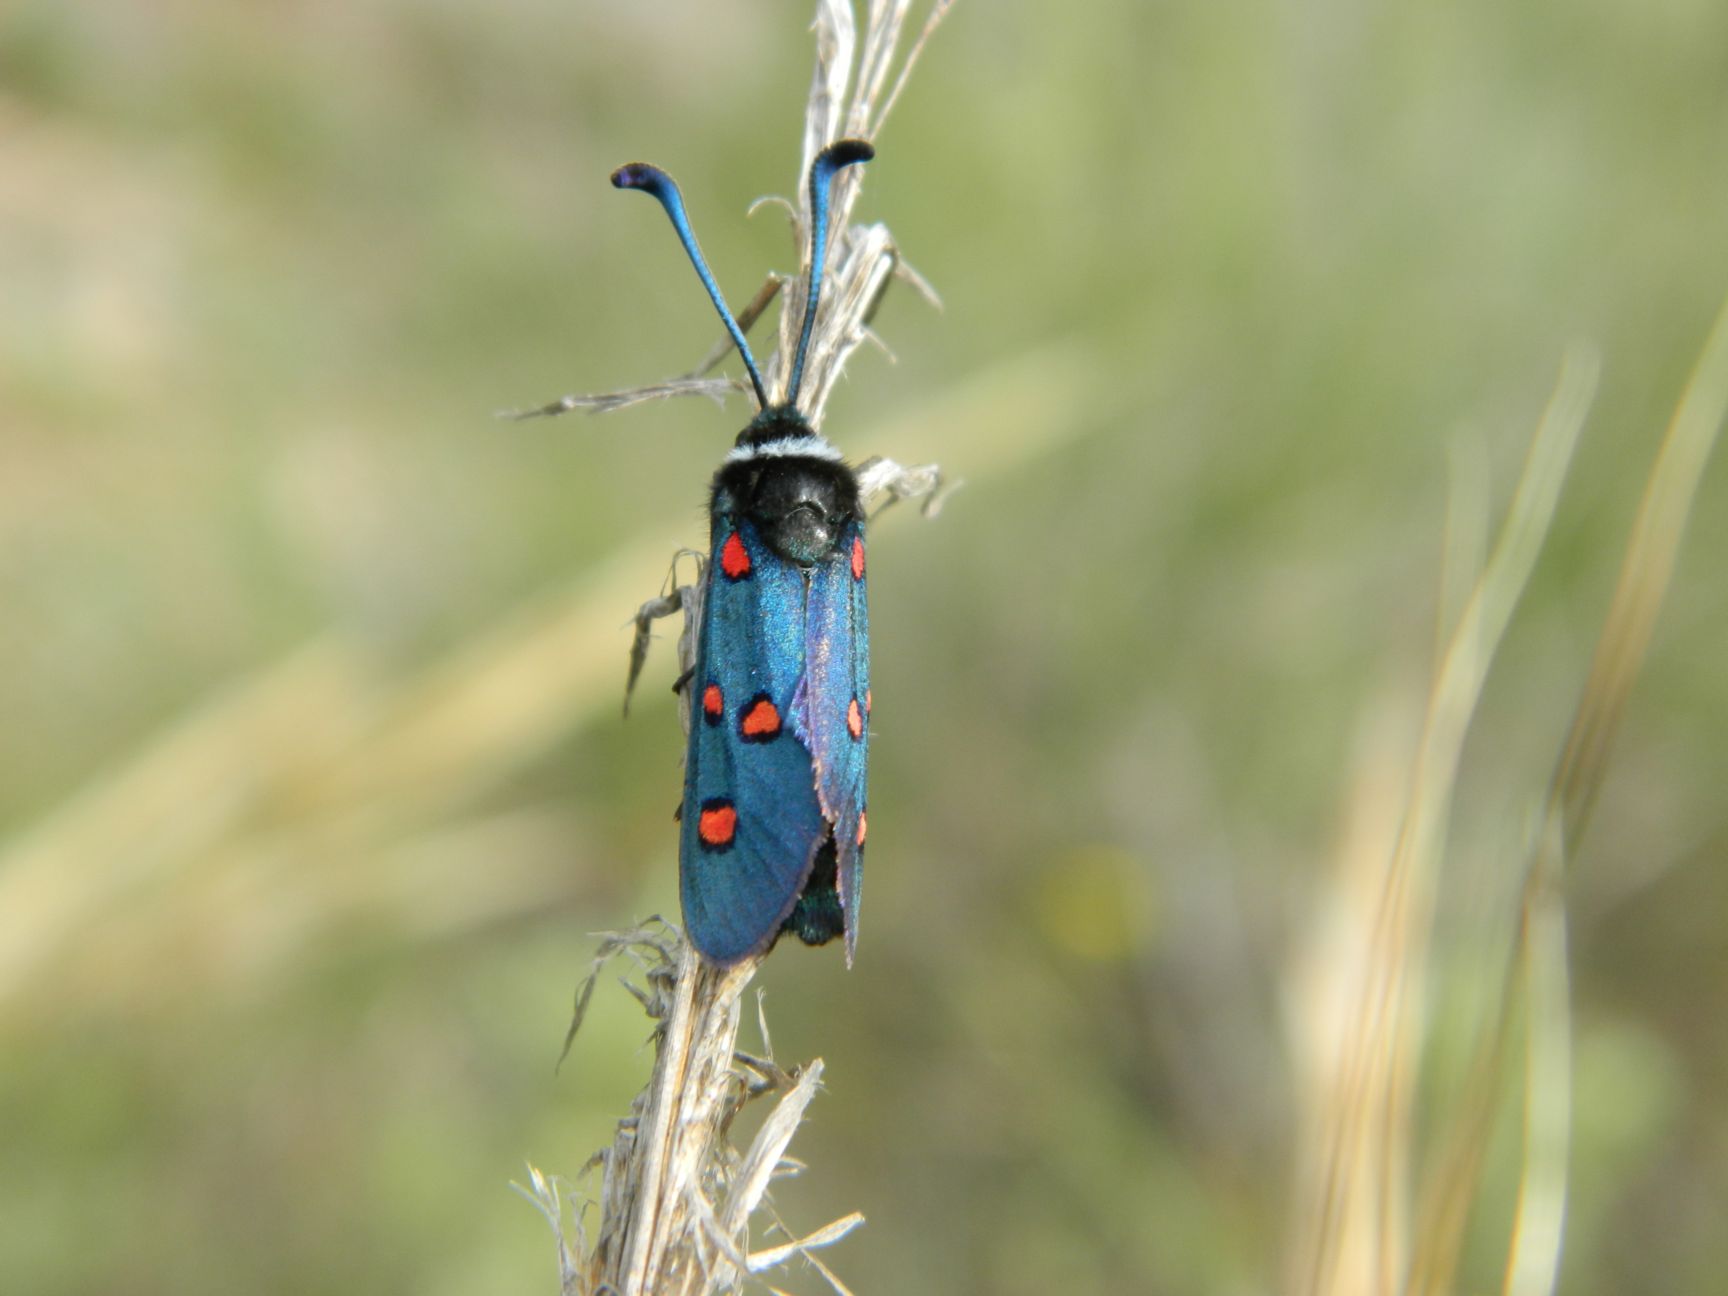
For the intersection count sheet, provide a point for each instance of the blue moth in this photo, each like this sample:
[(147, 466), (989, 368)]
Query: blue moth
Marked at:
[(773, 822)]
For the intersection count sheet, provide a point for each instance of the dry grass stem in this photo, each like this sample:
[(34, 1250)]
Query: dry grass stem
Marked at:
[(676, 1200)]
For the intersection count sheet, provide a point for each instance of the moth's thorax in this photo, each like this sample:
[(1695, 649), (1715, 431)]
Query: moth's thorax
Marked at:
[(792, 484)]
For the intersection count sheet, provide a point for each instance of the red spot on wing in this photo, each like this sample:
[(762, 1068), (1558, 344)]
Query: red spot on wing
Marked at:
[(717, 824), (735, 558), (863, 824), (761, 720), (866, 701), (713, 703), (857, 557), (854, 720)]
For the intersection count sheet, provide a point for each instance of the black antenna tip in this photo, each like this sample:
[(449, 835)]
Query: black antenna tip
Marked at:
[(842, 153), (638, 175)]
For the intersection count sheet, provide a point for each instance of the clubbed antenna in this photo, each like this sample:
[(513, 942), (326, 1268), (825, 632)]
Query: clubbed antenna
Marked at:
[(842, 153), (652, 180)]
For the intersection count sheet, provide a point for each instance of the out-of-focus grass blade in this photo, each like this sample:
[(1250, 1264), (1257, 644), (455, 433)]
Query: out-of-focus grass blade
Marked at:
[(1354, 1236), (1645, 574), (1540, 960), (1539, 1223)]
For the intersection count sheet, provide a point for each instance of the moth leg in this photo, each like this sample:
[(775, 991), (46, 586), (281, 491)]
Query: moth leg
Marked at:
[(674, 598), (882, 482), (646, 615)]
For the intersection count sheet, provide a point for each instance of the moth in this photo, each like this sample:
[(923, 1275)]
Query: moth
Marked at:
[(774, 817)]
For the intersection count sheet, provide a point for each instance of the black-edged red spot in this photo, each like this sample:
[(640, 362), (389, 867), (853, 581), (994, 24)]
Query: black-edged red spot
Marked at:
[(713, 704), (866, 701), (863, 825), (854, 720), (857, 557), (734, 558), (759, 721), (717, 824)]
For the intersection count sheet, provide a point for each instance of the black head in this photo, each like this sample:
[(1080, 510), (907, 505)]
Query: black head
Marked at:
[(795, 489)]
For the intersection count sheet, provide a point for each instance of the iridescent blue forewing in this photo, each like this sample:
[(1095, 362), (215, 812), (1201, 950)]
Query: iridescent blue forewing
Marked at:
[(837, 707), (752, 822)]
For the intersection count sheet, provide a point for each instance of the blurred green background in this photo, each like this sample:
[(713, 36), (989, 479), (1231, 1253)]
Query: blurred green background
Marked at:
[(313, 783)]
